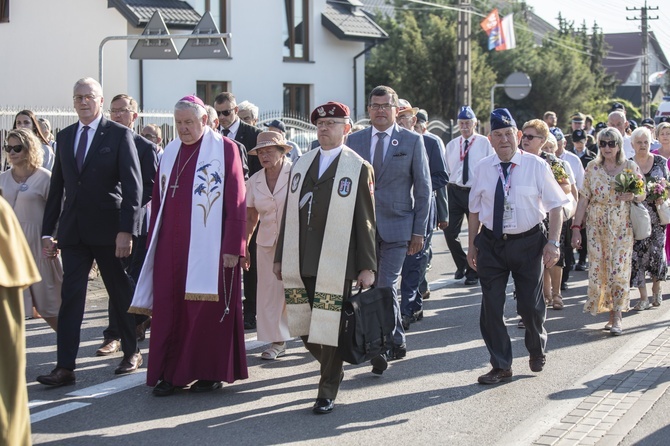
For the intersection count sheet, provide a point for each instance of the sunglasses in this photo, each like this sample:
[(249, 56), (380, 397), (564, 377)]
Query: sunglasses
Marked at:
[(530, 137), (225, 112), (16, 149), (612, 144)]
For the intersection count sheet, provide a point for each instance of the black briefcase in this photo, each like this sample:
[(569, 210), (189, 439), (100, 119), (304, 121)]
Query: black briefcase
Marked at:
[(366, 325)]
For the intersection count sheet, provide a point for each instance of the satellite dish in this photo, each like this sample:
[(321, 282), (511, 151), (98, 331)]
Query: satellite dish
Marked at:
[(517, 85)]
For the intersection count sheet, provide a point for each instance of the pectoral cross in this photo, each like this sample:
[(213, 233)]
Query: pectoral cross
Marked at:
[(174, 188)]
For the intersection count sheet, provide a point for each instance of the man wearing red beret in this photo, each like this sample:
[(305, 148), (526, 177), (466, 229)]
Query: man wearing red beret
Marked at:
[(329, 207)]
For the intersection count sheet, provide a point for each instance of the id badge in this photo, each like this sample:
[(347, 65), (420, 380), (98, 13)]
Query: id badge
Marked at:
[(509, 216)]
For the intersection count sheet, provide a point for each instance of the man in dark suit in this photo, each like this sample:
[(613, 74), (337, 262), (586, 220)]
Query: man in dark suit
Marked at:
[(97, 179), (414, 268), (231, 126), (123, 111), (402, 194)]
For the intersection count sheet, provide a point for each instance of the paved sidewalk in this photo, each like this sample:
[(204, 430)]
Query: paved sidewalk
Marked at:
[(619, 403)]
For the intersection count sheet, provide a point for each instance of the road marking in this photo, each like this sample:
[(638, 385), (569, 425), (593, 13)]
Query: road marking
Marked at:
[(111, 387), (55, 411)]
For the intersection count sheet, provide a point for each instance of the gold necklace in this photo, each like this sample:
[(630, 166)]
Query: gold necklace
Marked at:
[(175, 186)]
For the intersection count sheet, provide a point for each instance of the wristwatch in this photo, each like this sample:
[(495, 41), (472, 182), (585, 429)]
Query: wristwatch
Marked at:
[(556, 243)]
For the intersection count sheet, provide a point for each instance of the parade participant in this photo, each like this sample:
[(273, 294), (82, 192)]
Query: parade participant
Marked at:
[(511, 193), (329, 223), (197, 234)]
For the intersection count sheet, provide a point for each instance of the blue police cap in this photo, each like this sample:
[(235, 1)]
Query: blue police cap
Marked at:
[(501, 118), (558, 134), (466, 113)]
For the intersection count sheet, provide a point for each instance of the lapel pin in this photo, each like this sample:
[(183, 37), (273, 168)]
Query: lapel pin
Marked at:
[(394, 142)]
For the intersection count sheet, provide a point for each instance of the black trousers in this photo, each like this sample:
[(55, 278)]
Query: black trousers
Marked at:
[(329, 357), (496, 259), (133, 266), (250, 281), (77, 262), (458, 202)]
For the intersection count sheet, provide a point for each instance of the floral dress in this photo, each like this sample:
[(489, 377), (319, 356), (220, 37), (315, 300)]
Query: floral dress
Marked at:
[(649, 254), (609, 241)]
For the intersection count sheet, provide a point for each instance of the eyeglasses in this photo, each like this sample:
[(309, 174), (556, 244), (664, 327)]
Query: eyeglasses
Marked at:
[(530, 137), (225, 112), (384, 107), (78, 98), (329, 123), (611, 144), (16, 149), (118, 111)]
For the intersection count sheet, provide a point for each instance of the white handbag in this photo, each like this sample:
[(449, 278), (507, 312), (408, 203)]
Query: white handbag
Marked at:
[(663, 211), (640, 220)]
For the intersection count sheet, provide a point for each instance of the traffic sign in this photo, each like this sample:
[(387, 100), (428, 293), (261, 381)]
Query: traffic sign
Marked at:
[(202, 45), (155, 49)]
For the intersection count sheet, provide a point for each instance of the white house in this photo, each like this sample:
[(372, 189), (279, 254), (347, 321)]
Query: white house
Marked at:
[(285, 55)]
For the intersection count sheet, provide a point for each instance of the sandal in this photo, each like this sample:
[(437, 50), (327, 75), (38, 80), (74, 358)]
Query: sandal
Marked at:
[(642, 305), (657, 299), (276, 350), (557, 304)]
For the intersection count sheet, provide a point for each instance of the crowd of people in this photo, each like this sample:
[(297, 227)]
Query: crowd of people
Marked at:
[(176, 232)]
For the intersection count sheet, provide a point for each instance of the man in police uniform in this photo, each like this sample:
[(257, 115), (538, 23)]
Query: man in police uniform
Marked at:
[(512, 191), (329, 207)]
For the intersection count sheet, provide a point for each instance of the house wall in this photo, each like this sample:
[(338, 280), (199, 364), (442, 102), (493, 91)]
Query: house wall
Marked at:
[(48, 45), (64, 49), (635, 77)]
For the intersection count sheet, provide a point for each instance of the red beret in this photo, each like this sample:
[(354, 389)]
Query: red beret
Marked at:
[(330, 110)]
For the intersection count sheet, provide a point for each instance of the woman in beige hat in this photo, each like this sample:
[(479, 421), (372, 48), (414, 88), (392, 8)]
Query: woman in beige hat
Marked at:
[(266, 194)]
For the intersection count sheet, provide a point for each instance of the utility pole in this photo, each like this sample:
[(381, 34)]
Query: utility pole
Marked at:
[(646, 92), (463, 69)]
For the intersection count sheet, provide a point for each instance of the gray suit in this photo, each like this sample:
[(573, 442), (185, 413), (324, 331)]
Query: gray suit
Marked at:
[(402, 202)]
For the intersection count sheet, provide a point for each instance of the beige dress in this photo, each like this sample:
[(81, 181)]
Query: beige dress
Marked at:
[(29, 205), (271, 319), (17, 271), (610, 242)]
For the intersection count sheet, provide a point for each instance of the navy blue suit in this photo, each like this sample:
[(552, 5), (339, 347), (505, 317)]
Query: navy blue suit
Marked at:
[(99, 202)]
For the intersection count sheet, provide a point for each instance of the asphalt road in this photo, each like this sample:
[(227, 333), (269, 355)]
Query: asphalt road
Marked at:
[(431, 397)]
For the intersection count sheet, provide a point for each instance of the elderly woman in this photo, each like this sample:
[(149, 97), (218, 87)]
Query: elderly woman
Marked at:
[(266, 194), (26, 119), (663, 137), (535, 136), (26, 187), (649, 253), (609, 229)]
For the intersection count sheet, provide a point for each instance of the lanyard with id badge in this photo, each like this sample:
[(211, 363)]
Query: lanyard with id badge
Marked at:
[(509, 213)]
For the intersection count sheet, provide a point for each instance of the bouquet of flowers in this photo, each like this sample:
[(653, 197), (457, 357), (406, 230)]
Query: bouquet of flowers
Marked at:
[(559, 172), (657, 189), (629, 181)]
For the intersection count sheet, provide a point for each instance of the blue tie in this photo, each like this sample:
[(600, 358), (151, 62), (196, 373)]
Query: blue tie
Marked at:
[(81, 147), (499, 204)]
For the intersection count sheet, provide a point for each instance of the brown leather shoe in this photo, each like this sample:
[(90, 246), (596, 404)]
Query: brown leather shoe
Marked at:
[(108, 347), (141, 330), (58, 377), (495, 376), (129, 364)]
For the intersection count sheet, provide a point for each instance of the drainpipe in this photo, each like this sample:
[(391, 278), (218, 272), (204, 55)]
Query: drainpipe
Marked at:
[(374, 43)]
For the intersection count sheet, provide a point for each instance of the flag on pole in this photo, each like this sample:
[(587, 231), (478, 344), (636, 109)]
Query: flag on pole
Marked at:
[(500, 32), (653, 77)]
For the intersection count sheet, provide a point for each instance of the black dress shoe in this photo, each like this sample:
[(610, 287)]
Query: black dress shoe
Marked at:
[(425, 295), (417, 316), (564, 286), (495, 376), (406, 320), (202, 386), (58, 377), (249, 324), (537, 363), (471, 281), (163, 388), (398, 352), (323, 406), (129, 364), (379, 364), (459, 274)]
